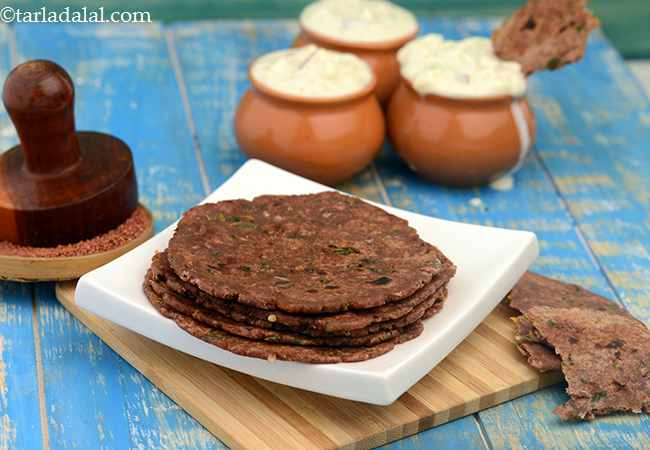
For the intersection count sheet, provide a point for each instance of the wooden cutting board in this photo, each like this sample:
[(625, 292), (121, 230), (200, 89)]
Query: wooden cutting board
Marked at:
[(247, 412)]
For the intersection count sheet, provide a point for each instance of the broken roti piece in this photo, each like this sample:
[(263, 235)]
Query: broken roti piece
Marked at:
[(603, 351), (545, 34), (540, 356)]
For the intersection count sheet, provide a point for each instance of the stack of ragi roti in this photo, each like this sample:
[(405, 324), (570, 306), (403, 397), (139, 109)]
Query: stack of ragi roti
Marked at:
[(319, 278)]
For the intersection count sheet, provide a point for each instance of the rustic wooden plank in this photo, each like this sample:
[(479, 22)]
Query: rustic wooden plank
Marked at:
[(125, 86), (213, 62), (599, 163), (625, 21), (251, 413), (567, 257), (213, 59), (83, 398), (528, 422), (641, 70), (596, 156), (20, 425), (461, 433), (533, 204)]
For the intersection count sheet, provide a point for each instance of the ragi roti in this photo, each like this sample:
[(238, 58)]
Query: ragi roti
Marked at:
[(314, 253), (270, 351), (344, 323), (604, 351), (545, 34), (219, 321)]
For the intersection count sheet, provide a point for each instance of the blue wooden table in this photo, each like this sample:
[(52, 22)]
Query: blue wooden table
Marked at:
[(170, 93)]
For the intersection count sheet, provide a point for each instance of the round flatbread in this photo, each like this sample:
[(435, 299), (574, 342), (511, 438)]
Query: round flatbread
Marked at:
[(603, 351), (269, 351), (350, 323), (317, 253), (217, 320)]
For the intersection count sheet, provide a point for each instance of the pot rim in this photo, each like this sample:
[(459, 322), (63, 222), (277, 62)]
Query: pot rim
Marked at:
[(261, 87), (487, 99), (392, 44)]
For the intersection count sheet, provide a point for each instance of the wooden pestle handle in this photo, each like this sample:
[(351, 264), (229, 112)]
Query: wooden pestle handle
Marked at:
[(39, 97)]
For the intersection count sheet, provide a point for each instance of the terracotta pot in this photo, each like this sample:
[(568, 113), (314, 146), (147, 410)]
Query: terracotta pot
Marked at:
[(327, 140), (460, 142), (380, 56)]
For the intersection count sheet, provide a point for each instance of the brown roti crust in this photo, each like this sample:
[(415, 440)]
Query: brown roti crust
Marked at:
[(537, 290), (435, 309), (540, 356), (214, 319), (421, 312), (545, 34), (525, 331), (534, 347), (317, 253), (605, 359), (351, 323), (271, 352), (605, 352)]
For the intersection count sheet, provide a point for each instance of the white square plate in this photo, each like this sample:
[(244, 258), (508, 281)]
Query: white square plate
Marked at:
[(489, 261)]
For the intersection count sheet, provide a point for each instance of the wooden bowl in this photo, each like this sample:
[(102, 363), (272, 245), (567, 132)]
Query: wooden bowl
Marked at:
[(30, 269)]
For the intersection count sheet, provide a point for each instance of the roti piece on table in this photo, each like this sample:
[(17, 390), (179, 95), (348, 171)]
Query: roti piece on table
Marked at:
[(545, 34), (540, 356), (604, 351)]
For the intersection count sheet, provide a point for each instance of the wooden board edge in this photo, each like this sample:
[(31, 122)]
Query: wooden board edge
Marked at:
[(65, 293), (423, 424)]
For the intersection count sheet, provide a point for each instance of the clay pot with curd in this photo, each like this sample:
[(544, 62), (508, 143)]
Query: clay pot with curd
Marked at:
[(311, 111), (374, 30), (459, 117)]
